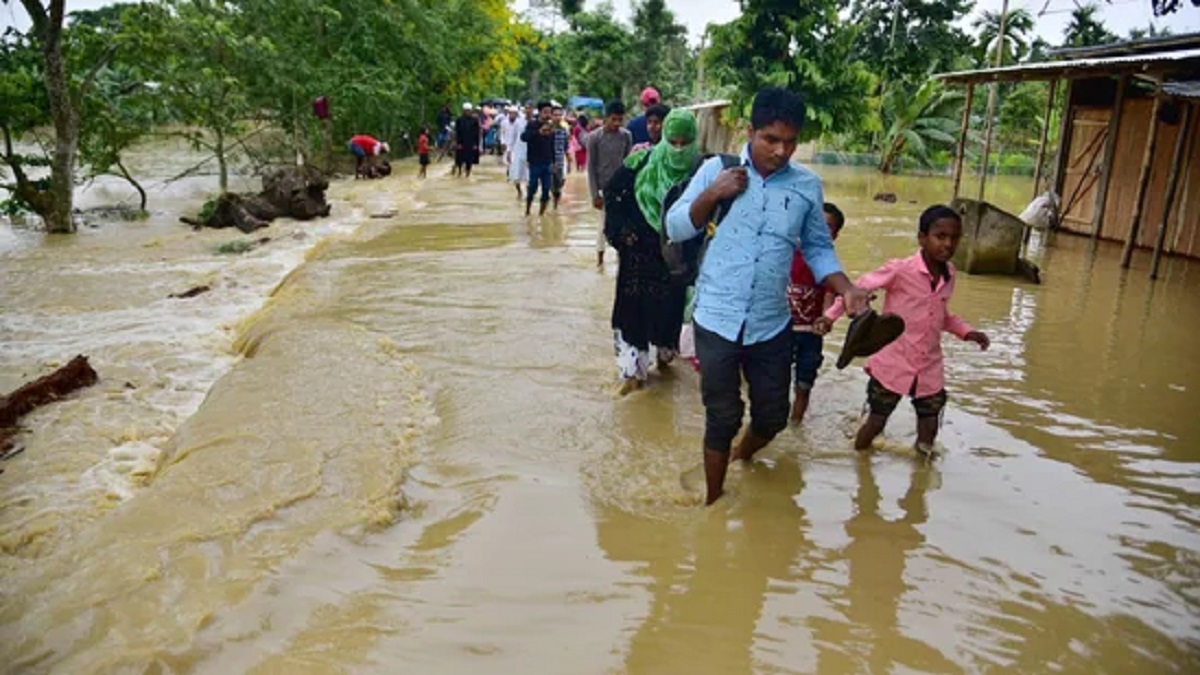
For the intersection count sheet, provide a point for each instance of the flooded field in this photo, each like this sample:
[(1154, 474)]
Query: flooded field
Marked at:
[(386, 444)]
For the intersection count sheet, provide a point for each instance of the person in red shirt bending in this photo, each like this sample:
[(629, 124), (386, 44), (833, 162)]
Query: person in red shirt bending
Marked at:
[(423, 150), (365, 149), (808, 300)]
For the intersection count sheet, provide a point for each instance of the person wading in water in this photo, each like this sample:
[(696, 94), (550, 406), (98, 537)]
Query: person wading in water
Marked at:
[(648, 308), (742, 318)]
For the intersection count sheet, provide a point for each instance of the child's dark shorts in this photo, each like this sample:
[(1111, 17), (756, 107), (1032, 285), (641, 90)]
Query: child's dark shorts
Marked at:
[(806, 359), (425, 159), (883, 401)]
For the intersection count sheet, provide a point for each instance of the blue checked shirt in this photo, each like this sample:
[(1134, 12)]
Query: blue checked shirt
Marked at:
[(742, 286)]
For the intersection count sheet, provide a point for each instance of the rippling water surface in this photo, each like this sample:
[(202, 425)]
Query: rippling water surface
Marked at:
[(392, 443)]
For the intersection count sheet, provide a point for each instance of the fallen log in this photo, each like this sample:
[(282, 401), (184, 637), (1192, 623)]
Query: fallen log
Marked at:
[(190, 293), (292, 192), (75, 375)]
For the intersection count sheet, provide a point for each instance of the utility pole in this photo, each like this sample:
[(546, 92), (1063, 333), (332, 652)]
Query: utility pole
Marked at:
[(991, 106), (698, 94)]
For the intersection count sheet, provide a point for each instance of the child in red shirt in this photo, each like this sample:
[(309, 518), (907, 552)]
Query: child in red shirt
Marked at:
[(808, 299), (423, 150)]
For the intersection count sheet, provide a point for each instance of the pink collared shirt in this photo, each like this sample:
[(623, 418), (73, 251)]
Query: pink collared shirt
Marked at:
[(916, 356)]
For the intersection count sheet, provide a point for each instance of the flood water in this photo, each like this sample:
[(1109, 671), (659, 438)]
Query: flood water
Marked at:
[(392, 444)]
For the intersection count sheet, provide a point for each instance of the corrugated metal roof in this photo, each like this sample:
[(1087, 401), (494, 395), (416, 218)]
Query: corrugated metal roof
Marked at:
[(1189, 89), (1051, 70)]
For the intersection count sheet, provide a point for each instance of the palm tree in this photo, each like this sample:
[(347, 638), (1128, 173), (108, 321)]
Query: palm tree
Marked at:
[(1017, 28), (917, 119), (1086, 29)]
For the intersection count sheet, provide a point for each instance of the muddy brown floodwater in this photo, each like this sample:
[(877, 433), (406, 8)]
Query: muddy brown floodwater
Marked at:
[(392, 444)]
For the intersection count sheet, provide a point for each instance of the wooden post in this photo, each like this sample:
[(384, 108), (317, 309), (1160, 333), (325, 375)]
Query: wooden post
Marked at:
[(1110, 146), (1065, 129), (962, 138), (991, 106), (1041, 153), (1181, 142), (1143, 179)]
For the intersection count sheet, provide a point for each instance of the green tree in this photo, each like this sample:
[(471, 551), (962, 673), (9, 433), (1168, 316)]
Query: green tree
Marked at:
[(1150, 31), (1015, 45), (63, 92), (1165, 7), (1021, 114), (906, 39), (1086, 29), (661, 45), (919, 120), (800, 44), (603, 59), (121, 108)]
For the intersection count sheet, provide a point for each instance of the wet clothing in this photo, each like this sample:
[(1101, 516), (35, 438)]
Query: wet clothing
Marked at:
[(807, 357), (914, 362), (723, 364), (539, 174), (423, 144), (468, 134), (648, 308), (742, 287), (637, 129), (883, 401)]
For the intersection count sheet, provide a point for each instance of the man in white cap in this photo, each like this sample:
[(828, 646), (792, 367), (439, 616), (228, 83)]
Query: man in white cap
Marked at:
[(467, 137), (506, 128)]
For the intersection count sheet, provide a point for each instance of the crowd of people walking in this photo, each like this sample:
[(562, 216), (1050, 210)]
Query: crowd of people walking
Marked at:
[(729, 258)]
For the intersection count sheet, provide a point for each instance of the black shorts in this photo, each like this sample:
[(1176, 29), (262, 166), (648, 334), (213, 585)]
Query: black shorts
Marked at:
[(766, 368), (883, 401), (425, 159)]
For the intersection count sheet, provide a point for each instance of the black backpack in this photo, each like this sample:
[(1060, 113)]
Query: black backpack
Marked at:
[(683, 259)]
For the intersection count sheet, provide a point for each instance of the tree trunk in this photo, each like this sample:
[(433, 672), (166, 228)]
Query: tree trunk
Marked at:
[(136, 185), (64, 110), (224, 169)]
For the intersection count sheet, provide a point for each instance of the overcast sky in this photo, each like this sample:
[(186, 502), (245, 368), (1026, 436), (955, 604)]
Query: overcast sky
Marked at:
[(1119, 15)]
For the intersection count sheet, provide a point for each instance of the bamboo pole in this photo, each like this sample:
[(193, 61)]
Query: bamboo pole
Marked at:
[(962, 138), (1065, 129), (1143, 179), (1181, 142), (1110, 146), (1041, 153), (991, 107)]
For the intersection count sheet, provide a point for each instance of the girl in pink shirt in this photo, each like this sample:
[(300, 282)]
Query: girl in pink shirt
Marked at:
[(918, 289)]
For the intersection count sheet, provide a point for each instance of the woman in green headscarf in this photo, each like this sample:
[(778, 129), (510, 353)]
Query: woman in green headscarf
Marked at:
[(648, 308)]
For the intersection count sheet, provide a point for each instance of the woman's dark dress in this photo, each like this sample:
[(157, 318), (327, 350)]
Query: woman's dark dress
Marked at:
[(648, 308)]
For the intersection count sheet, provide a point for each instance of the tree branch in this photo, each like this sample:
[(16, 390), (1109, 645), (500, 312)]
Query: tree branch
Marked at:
[(90, 78), (37, 15)]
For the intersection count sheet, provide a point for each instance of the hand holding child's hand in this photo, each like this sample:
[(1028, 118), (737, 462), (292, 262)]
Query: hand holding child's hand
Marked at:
[(978, 338), (822, 326)]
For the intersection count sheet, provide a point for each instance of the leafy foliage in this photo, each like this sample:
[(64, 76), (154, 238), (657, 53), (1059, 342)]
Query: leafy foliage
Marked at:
[(1086, 29), (919, 120), (799, 44)]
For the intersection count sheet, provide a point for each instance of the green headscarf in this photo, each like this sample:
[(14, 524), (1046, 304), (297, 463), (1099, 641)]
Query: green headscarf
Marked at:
[(668, 164)]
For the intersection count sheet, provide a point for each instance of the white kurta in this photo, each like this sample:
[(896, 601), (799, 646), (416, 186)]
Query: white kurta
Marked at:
[(518, 167)]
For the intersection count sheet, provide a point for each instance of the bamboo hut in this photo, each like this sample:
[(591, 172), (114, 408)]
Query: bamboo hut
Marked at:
[(1127, 166)]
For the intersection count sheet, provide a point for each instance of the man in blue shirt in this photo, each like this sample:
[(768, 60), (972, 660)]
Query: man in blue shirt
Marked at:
[(742, 317)]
